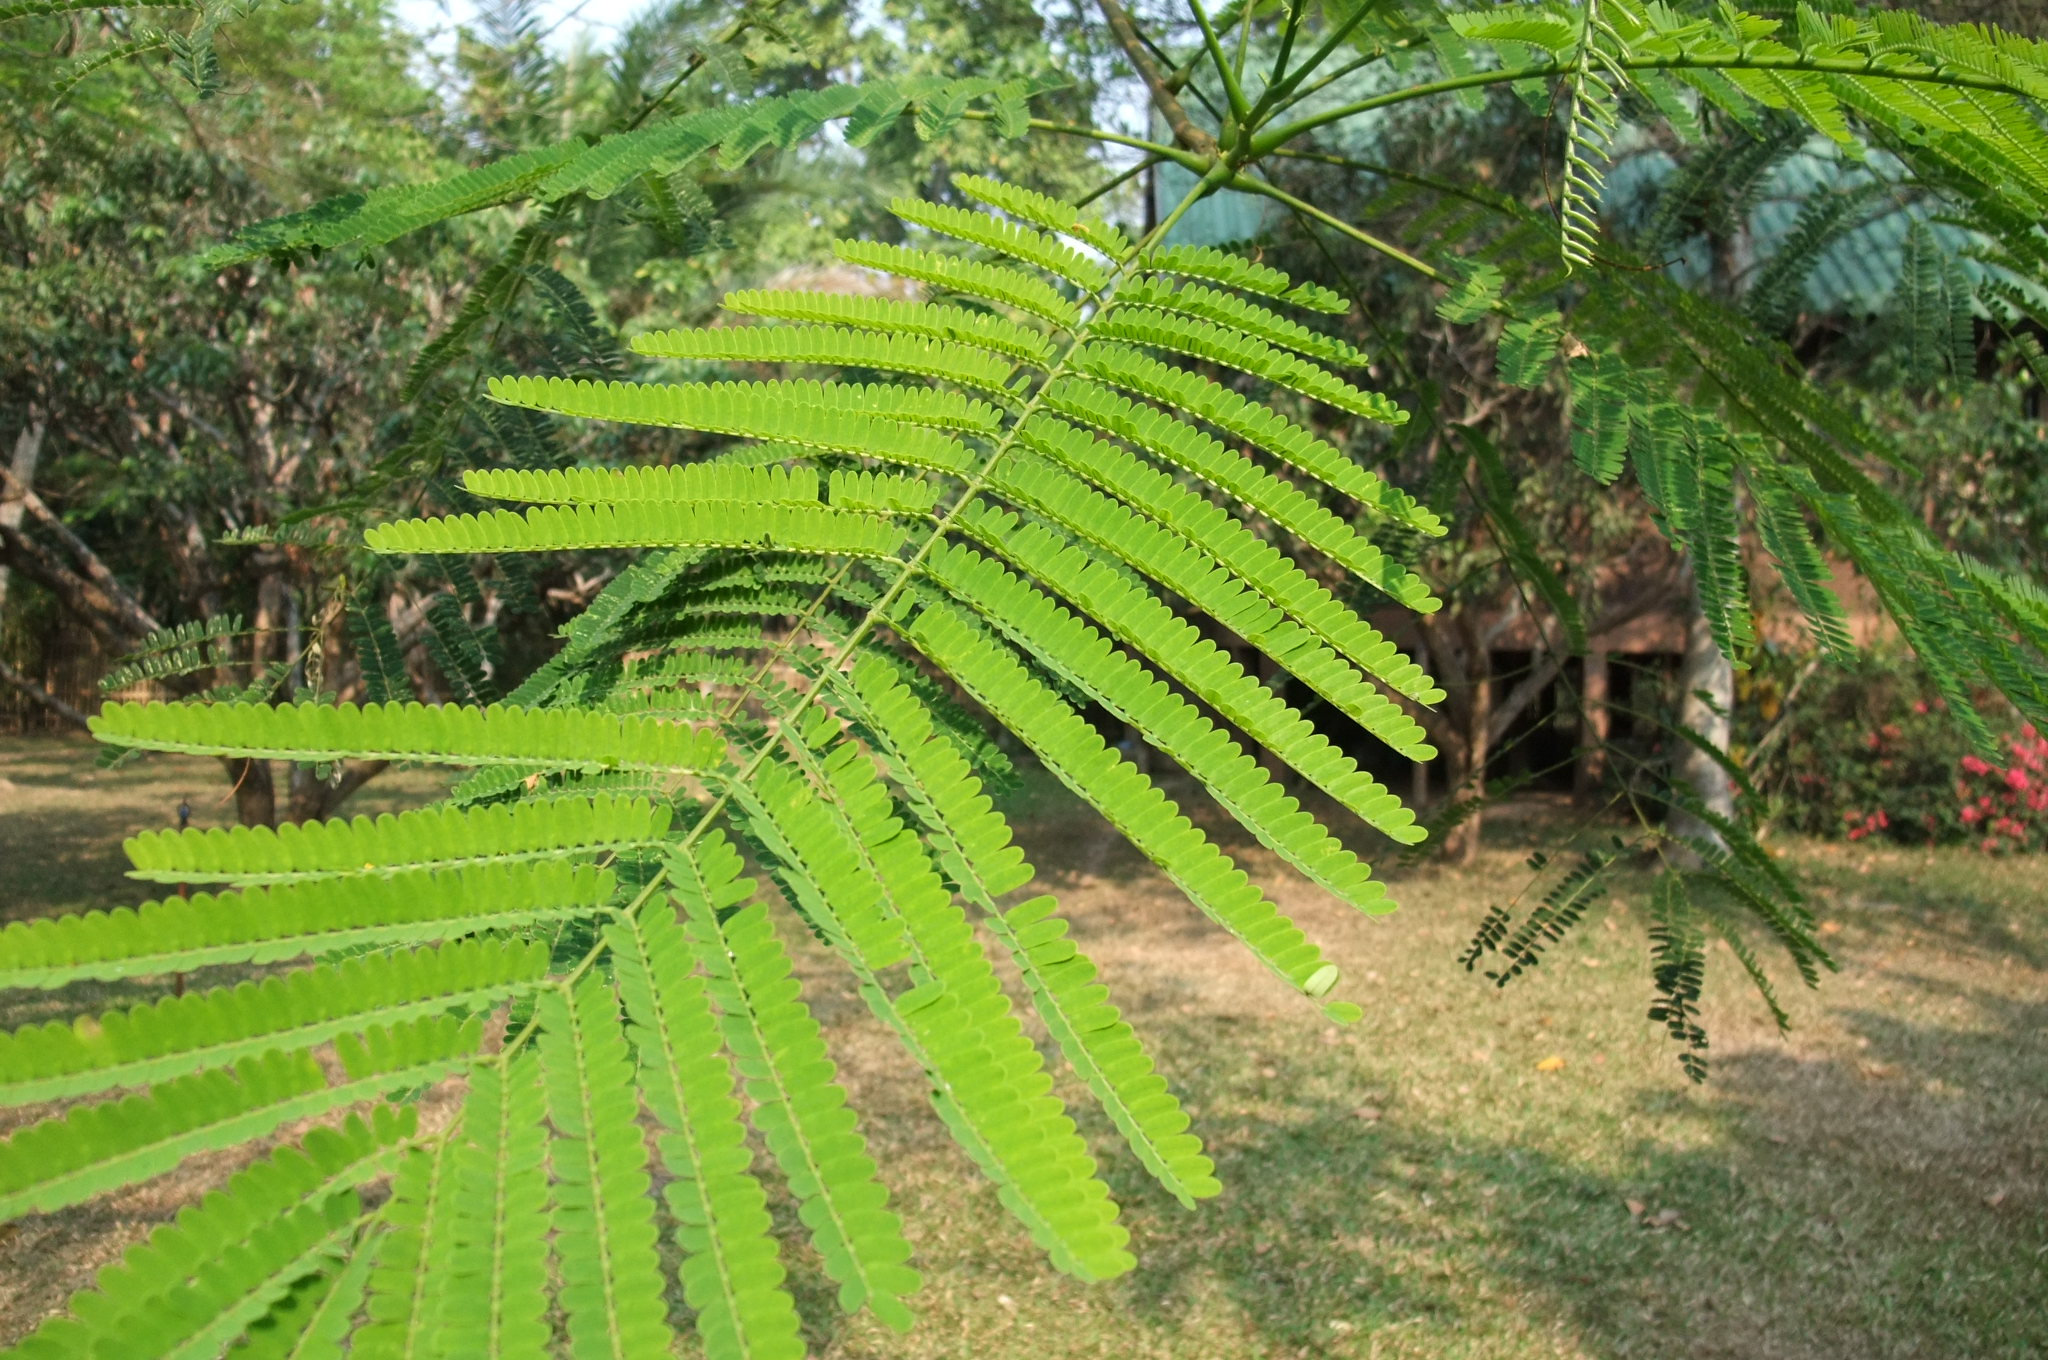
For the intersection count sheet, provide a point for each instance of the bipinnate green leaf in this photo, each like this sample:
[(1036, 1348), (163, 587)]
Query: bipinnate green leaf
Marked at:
[(216, 1268), (605, 1248), (497, 1296), (299, 1009), (445, 733), (732, 1270), (437, 837), (1077, 754), (974, 846), (798, 1107), (411, 1280), (288, 920), (70, 1157)]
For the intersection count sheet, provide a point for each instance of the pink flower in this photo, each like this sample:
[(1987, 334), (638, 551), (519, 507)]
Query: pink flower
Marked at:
[(2017, 779), (1975, 766), (1920, 706), (1971, 816)]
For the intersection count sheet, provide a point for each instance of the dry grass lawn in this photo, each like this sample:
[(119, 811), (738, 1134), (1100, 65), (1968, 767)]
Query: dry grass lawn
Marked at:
[(1873, 1186)]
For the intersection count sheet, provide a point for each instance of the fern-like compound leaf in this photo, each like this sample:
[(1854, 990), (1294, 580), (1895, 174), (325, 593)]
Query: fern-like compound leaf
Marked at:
[(1248, 420), (312, 1320), (1005, 238), (634, 524), (992, 283), (287, 920), (411, 1279), (674, 482), (1159, 329), (605, 1245), (1211, 674), (448, 733), (497, 1297), (1182, 446), (283, 1011), (221, 1263), (732, 1270), (968, 365), (1237, 781), (888, 425), (892, 316), (821, 865), (1133, 804), (1596, 86), (1234, 271), (89, 1149), (426, 838), (1236, 314), (796, 1104), (169, 653), (1035, 510), (973, 843), (1028, 205), (1176, 564)]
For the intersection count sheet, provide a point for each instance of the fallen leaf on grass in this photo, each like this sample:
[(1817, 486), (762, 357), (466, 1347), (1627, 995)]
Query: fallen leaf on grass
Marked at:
[(1994, 1199), (1369, 1113), (1636, 1208), (1553, 1063), (1830, 927), (1878, 1071)]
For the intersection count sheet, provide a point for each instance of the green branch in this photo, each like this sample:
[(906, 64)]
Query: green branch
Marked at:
[(1268, 142)]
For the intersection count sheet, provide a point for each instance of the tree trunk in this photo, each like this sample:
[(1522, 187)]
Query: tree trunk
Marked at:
[(314, 799), (28, 451), (1466, 754), (255, 781), (1591, 771), (255, 791), (1706, 682)]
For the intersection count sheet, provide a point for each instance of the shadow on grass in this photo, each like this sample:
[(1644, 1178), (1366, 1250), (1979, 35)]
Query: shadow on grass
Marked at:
[(1890, 1206)]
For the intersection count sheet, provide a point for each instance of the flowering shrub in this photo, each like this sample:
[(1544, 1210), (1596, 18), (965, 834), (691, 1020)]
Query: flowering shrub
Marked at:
[(1868, 750), (2007, 807)]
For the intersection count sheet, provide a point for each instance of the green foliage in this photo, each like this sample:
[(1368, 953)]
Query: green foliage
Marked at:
[(755, 671), (1100, 459), (171, 653)]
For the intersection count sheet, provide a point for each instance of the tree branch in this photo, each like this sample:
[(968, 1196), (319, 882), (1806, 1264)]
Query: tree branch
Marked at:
[(1163, 98), (116, 597), (99, 611), (16, 680)]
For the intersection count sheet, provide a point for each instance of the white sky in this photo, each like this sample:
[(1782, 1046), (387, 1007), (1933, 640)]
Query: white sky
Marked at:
[(601, 19)]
